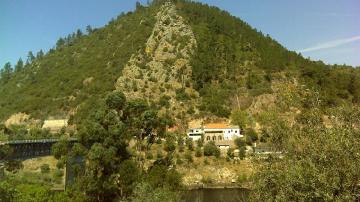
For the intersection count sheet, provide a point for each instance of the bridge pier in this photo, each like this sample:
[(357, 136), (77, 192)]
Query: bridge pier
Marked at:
[(2, 171)]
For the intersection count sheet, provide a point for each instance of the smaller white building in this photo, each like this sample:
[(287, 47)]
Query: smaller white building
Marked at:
[(195, 133)]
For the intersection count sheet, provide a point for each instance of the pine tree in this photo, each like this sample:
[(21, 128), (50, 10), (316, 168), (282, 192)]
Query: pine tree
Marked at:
[(78, 33), (19, 65), (89, 30), (40, 54), (60, 42), (6, 72), (30, 57)]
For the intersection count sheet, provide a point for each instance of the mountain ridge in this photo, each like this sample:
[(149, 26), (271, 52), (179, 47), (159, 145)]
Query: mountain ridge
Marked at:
[(230, 63)]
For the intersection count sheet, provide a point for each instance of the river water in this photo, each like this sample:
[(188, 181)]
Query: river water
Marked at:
[(216, 195)]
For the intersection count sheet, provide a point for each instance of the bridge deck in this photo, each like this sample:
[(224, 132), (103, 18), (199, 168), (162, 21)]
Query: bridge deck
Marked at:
[(24, 149)]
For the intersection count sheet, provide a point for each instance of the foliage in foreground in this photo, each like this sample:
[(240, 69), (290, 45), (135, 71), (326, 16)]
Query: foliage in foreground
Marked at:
[(320, 164), (112, 171)]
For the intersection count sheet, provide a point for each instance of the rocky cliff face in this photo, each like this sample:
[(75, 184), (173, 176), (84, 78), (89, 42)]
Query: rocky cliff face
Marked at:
[(163, 68)]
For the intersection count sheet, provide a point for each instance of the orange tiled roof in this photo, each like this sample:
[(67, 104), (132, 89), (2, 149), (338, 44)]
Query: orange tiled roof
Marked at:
[(218, 125)]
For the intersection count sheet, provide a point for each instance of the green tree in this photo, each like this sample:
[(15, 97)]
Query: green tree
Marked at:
[(40, 54), (242, 153), (210, 149), (170, 144), (30, 57), (32, 193), (89, 29), (107, 131), (116, 100), (78, 33), (239, 118), (180, 141), (251, 136), (129, 175), (320, 164), (7, 191), (239, 142), (188, 156), (19, 65), (190, 144), (6, 72), (198, 152)]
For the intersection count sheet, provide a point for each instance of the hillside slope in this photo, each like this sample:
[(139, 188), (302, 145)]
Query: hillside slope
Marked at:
[(79, 67), (186, 57)]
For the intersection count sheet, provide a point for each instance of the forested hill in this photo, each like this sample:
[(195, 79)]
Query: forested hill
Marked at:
[(208, 55)]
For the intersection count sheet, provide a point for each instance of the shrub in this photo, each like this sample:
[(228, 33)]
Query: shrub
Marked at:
[(181, 95), (210, 149), (188, 156), (179, 161), (242, 178), (60, 164), (149, 155), (239, 142), (190, 144), (181, 144), (58, 173), (191, 110), (251, 136), (230, 153), (200, 142), (170, 144), (45, 168), (164, 101), (242, 153), (167, 86), (198, 152), (134, 86), (159, 154), (152, 79)]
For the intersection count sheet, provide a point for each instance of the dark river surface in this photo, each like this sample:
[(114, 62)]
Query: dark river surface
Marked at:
[(216, 195)]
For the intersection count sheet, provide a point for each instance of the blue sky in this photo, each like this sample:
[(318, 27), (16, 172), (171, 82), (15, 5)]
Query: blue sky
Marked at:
[(321, 29)]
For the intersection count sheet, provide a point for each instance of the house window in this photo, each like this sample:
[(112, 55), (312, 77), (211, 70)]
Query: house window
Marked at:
[(220, 137), (214, 138), (235, 131), (228, 131), (208, 138)]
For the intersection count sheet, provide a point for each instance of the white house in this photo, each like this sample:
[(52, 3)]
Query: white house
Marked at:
[(222, 134), (195, 133)]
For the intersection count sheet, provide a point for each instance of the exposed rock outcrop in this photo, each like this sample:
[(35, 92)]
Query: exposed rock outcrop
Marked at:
[(21, 119), (163, 67)]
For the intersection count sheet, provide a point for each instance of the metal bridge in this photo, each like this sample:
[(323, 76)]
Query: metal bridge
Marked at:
[(25, 149)]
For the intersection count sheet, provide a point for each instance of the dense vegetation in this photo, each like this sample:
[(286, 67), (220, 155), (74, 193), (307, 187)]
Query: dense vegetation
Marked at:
[(112, 170), (80, 66), (231, 56), (319, 163), (231, 59)]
